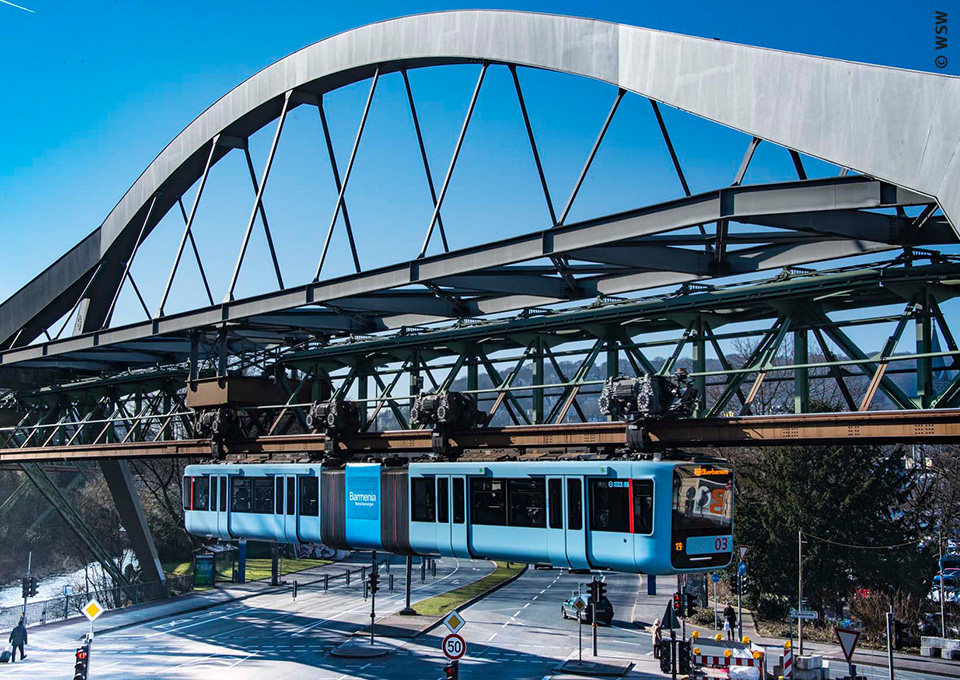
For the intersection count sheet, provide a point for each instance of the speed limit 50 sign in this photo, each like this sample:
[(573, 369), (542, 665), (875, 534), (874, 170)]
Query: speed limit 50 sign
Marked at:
[(454, 647)]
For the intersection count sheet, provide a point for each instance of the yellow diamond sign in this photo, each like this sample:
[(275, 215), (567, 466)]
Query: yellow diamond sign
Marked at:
[(454, 621), (92, 610)]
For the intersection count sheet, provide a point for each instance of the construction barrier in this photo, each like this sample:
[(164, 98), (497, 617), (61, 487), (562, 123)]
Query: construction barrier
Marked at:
[(787, 661)]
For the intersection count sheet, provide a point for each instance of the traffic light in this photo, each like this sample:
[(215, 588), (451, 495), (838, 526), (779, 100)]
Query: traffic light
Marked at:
[(899, 634), (25, 588), (82, 664), (374, 580), (678, 605), (599, 590), (683, 658), (452, 671), (690, 604), (664, 655), (33, 587)]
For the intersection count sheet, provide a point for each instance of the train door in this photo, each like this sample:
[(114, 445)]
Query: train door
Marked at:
[(458, 517), (556, 536), (289, 517), (576, 544), (223, 506), (444, 533)]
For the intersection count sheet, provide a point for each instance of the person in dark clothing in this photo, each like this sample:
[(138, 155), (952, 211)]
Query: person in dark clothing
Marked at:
[(18, 638), (730, 621)]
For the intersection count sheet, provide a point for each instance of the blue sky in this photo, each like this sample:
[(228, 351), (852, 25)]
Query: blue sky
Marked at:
[(93, 91)]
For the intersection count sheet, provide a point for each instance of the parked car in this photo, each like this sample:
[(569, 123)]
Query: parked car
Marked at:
[(568, 610)]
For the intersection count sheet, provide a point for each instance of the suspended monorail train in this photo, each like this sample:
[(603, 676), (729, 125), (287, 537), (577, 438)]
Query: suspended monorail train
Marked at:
[(652, 517)]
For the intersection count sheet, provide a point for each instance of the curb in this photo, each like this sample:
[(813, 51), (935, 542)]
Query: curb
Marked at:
[(476, 598)]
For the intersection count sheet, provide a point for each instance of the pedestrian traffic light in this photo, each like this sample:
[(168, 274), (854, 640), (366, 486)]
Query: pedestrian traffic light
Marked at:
[(683, 658), (32, 591), (82, 663), (25, 588), (664, 646), (374, 580), (599, 590), (452, 671), (678, 605)]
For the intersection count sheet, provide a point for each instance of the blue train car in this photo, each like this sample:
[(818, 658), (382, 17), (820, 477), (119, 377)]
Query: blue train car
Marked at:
[(654, 517)]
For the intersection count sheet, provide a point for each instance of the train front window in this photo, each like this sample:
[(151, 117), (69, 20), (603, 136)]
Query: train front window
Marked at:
[(309, 497), (223, 494), (291, 495), (424, 506), (609, 505), (702, 515), (556, 503)]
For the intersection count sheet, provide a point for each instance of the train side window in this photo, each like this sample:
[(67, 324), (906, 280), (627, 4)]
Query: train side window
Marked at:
[(213, 494), (555, 489), (223, 494), (458, 502), (263, 495), (278, 496), (488, 501), (609, 505), (643, 506), (201, 493), (291, 496), (528, 503), (309, 497), (574, 504), (443, 501), (187, 491), (423, 508), (241, 494)]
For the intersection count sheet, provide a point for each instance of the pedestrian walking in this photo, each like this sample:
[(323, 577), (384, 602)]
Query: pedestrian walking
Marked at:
[(729, 620), (18, 638), (657, 637)]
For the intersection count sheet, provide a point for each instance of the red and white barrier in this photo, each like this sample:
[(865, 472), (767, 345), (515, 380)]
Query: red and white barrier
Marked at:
[(726, 661), (787, 662)]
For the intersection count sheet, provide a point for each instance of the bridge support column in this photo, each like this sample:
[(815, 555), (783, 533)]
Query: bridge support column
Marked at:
[(537, 413), (120, 481)]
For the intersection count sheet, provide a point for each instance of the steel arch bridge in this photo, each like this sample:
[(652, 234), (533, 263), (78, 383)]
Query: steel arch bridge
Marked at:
[(525, 322)]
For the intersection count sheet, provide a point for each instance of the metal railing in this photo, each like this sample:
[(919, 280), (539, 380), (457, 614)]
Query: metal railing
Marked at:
[(68, 606)]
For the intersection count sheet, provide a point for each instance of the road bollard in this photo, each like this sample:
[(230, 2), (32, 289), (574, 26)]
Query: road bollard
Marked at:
[(348, 577), (363, 573), (391, 583), (294, 590), (326, 582), (433, 568), (366, 589)]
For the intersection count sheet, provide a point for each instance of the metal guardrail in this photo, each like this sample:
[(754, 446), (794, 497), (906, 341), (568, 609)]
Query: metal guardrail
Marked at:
[(68, 606)]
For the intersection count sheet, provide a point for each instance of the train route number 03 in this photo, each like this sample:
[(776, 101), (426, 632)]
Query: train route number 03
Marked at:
[(454, 647)]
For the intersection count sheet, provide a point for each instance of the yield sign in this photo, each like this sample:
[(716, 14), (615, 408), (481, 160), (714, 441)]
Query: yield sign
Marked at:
[(848, 641), (743, 551)]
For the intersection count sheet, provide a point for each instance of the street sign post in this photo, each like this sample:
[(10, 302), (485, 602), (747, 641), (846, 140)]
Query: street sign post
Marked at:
[(454, 647), (848, 642), (744, 549), (805, 614), (580, 604)]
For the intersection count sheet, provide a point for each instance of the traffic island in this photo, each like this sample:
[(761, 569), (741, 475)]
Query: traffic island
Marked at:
[(600, 669), (360, 648)]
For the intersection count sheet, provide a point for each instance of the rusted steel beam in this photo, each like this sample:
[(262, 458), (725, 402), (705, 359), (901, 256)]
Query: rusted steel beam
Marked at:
[(883, 427)]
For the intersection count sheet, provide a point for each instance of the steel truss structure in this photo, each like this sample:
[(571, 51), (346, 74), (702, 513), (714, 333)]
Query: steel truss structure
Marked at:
[(533, 323)]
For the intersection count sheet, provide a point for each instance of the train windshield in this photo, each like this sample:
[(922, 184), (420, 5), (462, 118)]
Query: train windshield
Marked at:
[(702, 516)]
